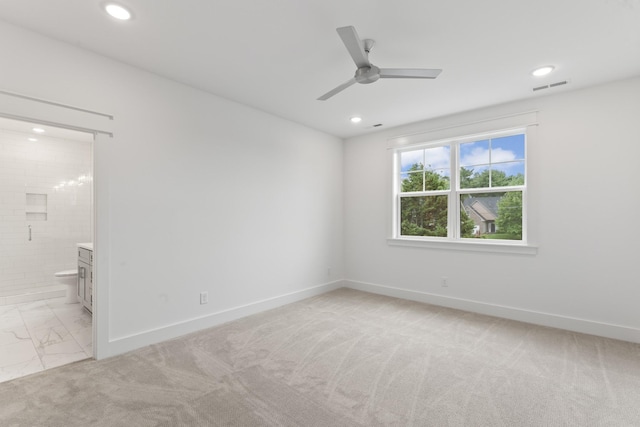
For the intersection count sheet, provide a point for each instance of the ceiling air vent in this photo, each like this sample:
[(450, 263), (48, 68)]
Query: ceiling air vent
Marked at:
[(558, 83), (564, 82)]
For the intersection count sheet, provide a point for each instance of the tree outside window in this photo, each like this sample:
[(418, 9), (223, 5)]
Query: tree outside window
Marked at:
[(479, 182)]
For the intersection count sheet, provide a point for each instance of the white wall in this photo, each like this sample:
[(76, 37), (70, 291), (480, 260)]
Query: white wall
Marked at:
[(583, 176), (203, 194), (56, 226)]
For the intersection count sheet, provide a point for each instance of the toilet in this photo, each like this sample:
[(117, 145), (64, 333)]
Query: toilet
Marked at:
[(70, 279)]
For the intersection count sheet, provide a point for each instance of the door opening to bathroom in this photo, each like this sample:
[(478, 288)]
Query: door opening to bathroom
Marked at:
[(47, 229)]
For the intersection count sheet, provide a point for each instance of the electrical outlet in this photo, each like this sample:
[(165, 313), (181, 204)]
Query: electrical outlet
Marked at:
[(204, 297), (444, 281), (328, 271)]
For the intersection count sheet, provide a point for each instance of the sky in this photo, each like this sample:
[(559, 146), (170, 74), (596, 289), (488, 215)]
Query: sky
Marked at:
[(504, 153)]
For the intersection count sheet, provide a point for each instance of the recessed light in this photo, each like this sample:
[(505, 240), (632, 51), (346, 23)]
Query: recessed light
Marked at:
[(543, 71), (38, 130), (32, 139), (356, 119), (118, 12)]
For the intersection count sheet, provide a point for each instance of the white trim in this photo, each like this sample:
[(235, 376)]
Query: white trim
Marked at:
[(101, 247), (36, 294), (472, 245), (55, 104), (152, 336), (37, 110), (465, 130), (574, 324), (54, 124)]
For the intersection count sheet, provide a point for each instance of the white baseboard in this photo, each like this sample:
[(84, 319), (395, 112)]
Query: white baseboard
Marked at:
[(590, 327), (34, 294), (167, 332)]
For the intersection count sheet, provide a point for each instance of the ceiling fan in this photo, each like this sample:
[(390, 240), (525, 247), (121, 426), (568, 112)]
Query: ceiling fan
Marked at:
[(367, 72)]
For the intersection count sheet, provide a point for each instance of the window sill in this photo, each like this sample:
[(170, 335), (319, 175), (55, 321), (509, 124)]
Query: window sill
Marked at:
[(470, 246)]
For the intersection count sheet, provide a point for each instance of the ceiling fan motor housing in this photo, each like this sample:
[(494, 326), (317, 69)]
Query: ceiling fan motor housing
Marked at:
[(366, 75)]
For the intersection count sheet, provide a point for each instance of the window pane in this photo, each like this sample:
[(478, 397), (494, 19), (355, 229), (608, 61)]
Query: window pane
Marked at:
[(412, 181), (423, 216), (507, 148), (474, 164), (498, 162), (474, 153), (507, 174), (411, 160), (437, 164), (404, 176), (491, 215), (437, 158), (436, 180), (474, 177)]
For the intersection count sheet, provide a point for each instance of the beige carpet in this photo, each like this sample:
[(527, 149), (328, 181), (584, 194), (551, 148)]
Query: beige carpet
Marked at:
[(345, 358)]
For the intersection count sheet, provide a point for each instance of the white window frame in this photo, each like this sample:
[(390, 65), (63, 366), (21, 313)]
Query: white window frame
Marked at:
[(453, 239)]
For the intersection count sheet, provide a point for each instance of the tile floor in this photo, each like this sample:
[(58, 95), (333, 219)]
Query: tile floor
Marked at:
[(39, 335)]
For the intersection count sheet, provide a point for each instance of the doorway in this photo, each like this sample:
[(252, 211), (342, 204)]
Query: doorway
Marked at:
[(46, 213)]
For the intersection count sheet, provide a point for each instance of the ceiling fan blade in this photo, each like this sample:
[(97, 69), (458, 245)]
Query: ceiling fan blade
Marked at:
[(408, 73), (354, 46), (340, 88)]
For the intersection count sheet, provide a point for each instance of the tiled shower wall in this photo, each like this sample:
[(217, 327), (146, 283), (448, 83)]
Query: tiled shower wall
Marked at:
[(45, 185)]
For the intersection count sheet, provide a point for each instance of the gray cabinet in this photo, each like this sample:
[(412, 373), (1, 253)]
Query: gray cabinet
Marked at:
[(85, 278)]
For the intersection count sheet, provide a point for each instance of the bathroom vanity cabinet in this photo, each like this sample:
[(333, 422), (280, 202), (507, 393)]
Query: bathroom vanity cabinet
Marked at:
[(85, 277)]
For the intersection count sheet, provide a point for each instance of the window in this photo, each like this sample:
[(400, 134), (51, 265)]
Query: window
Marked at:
[(470, 189)]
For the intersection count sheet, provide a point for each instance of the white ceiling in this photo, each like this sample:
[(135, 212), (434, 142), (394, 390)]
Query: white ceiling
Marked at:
[(280, 55)]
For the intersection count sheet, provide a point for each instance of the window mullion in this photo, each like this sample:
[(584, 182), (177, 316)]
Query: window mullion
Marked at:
[(425, 193), (396, 192), (453, 227), (492, 190)]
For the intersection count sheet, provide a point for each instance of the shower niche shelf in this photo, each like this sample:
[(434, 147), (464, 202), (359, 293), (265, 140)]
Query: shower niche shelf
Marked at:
[(36, 208)]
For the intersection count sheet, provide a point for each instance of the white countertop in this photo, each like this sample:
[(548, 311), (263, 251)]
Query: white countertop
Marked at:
[(88, 246)]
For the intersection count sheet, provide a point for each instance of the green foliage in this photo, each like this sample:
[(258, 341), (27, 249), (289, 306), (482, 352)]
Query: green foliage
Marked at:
[(414, 180), (424, 216), (509, 219), (432, 180), (466, 224), (502, 236), (428, 215), (497, 178), (466, 180), (516, 180)]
